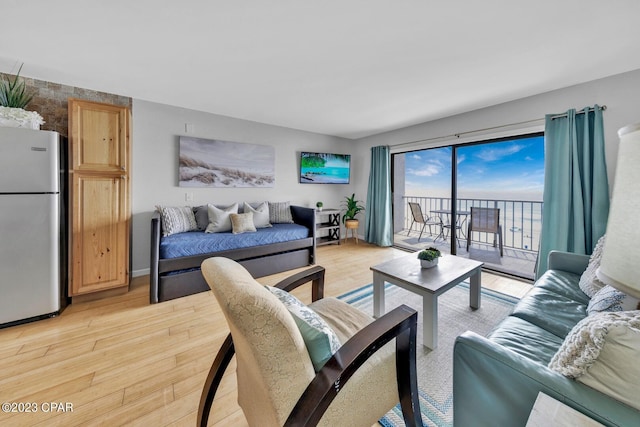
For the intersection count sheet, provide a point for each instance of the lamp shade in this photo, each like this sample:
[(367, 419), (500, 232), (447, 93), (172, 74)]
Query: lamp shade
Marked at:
[(620, 263)]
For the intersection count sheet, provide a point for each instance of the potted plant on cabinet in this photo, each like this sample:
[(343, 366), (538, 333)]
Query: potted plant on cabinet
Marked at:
[(13, 100), (429, 257), (319, 206)]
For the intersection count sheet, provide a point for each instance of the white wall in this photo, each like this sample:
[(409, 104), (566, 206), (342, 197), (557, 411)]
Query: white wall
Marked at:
[(620, 93), (156, 128)]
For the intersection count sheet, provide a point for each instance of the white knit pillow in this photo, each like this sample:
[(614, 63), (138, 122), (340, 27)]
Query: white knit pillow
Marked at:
[(601, 351), (176, 219), (589, 282)]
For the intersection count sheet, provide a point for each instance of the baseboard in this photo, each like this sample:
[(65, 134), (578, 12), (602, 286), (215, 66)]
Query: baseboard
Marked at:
[(142, 272)]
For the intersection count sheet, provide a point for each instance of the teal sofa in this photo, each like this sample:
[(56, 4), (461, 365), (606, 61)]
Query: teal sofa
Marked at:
[(496, 379)]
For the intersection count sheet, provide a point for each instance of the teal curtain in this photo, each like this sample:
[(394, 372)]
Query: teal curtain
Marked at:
[(576, 190), (378, 223)]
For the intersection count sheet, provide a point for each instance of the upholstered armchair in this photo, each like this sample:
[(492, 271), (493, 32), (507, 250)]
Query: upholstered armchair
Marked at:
[(277, 381)]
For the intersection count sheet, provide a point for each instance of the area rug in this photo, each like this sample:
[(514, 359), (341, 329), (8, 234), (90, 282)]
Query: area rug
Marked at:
[(435, 367)]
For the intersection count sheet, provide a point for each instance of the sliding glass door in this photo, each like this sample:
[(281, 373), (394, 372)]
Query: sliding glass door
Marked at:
[(506, 176)]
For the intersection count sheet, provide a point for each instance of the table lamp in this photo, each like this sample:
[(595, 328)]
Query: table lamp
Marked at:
[(620, 263)]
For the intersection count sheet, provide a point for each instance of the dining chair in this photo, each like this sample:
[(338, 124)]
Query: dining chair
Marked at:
[(327, 363), (418, 217), (485, 220)]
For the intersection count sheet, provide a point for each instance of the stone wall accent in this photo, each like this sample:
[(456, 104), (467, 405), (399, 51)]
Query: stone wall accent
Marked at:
[(50, 100)]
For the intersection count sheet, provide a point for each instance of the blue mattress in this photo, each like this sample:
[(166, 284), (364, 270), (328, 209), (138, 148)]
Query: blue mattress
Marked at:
[(198, 242)]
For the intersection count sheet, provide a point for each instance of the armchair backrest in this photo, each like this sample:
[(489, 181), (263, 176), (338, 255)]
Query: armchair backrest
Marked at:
[(273, 365), (485, 219)]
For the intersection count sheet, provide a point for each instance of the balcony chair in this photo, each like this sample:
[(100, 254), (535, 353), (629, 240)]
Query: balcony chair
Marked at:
[(418, 217), (279, 384), (485, 220)]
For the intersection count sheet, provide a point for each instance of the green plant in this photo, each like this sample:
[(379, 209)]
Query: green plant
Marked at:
[(319, 205), (14, 93), (352, 206), (429, 254)]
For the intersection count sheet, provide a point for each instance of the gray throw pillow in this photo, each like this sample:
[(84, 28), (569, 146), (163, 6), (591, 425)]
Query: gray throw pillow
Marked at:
[(260, 214), (280, 213), (589, 282)]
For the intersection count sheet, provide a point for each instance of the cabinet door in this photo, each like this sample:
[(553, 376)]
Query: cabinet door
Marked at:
[(100, 136), (100, 241)]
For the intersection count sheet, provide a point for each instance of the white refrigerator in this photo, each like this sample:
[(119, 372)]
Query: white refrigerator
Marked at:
[(32, 225)]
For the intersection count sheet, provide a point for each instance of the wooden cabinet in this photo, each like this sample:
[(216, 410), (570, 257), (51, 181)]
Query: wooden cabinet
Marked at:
[(100, 185), (328, 227)]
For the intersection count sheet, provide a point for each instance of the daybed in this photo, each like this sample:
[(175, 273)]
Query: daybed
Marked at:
[(175, 259), (496, 379)]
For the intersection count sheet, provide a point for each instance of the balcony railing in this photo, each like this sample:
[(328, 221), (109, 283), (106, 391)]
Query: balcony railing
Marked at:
[(521, 220)]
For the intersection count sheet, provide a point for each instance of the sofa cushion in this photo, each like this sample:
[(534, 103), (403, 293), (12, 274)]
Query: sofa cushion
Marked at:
[(611, 299), (562, 283), (589, 282), (527, 339), (550, 311)]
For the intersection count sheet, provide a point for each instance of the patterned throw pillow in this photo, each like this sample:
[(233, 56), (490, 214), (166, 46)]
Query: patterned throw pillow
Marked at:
[(280, 213), (260, 214), (611, 299), (321, 341), (589, 282), (177, 219), (242, 223), (220, 219)]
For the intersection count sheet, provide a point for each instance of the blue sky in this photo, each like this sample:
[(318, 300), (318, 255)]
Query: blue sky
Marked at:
[(511, 170)]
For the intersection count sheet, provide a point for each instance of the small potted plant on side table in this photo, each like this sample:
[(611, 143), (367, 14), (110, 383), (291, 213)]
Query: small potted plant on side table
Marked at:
[(429, 257), (319, 206)]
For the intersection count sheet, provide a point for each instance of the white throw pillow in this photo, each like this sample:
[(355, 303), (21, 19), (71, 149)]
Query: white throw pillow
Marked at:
[(601, 351), (177, 219), (242, 223), (220, 219), (589, 282), (260, 214)]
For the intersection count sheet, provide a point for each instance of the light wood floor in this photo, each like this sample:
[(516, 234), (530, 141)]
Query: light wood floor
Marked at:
[(121, 361)]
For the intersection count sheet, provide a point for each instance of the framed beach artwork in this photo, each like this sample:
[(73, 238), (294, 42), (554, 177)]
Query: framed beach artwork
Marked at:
[(217, 163)]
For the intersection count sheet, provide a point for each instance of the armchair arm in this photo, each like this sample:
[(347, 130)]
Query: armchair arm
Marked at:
[(315, 275), (567, 261), (400, 324)]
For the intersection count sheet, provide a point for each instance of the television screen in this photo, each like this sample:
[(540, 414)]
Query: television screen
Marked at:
[(324, 168)]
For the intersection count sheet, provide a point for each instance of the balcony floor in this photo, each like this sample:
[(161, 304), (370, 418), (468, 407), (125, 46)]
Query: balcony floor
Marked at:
[(514, 262)]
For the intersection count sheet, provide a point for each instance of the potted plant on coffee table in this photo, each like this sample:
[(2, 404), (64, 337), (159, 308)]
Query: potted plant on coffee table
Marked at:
[(429, 257)]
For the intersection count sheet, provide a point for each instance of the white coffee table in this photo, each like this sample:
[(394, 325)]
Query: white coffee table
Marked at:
[(427, 282)]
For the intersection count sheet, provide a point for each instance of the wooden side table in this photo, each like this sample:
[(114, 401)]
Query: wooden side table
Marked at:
[(548, 412), (353, 226)]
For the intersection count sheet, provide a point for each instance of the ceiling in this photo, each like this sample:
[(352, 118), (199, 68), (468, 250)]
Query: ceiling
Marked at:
[(348, 68)]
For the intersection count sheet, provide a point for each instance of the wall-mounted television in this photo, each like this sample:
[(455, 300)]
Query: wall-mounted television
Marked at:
[(324, 168)]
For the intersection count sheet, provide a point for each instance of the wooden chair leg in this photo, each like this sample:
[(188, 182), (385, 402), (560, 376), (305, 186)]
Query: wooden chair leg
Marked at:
[(211, 384)]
